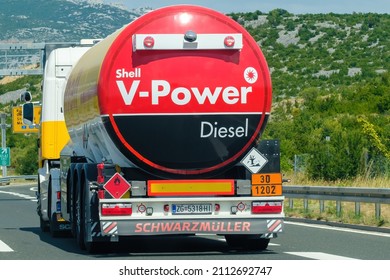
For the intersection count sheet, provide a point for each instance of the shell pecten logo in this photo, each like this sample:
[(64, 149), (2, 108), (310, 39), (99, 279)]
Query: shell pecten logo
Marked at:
[(250, 75)]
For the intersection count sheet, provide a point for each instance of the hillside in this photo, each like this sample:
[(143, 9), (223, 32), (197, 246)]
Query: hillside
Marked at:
[(320, 50), (331, 84), (60, 20)]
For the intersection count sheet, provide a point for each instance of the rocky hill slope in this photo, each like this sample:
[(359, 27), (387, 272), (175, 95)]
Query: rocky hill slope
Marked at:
[(60, 20)]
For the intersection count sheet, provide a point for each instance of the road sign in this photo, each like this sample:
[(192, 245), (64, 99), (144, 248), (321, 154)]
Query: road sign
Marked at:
[(5, 156), (17, 120)]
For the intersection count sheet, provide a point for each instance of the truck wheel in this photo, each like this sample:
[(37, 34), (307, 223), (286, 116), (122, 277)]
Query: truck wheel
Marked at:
[(82, 208), (44, 225), (71, 186), (247, 242), (90, 246), (52, 218)]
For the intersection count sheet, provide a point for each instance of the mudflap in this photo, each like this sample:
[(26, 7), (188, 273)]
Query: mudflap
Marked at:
[(96, 234), (58, 226), (92, 224)]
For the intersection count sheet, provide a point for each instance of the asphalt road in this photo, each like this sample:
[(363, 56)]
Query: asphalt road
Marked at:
[(22, 239)]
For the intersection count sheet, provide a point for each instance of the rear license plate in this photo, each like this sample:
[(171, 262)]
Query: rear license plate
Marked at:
[(178, 209)]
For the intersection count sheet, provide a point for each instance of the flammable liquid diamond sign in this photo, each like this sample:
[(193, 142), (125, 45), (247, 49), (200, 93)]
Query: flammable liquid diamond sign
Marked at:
[(254, 161), (117, 186)]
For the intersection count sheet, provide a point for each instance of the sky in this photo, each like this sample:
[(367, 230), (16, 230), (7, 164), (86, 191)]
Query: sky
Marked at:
[(292, 6)]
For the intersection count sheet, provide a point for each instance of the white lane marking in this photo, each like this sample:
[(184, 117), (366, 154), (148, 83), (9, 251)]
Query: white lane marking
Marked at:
[(25, 196), (382, 234), (4, 247), (319, 256)]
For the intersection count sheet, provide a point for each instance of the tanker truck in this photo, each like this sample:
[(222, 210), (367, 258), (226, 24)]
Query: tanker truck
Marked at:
[(156, 130)]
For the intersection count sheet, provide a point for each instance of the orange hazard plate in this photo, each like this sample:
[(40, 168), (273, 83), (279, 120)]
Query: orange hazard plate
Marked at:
[(267, 179), (266, 190), (266, 184)]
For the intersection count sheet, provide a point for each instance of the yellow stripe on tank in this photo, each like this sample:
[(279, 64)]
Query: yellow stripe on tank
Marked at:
[(54, 136)]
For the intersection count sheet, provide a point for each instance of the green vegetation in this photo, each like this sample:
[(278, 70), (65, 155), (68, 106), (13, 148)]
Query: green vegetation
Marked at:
[(24, 149), (31, 83), (331, 87), (347, 214), (59, 21), (344, 134)]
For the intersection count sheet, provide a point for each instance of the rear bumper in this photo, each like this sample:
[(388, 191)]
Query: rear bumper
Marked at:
[(221, 222), (267, 227)]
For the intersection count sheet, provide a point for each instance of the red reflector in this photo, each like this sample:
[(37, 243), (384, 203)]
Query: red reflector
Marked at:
[(100, 176), (267, 207), (58, 195), (101, 194), (118, 209)]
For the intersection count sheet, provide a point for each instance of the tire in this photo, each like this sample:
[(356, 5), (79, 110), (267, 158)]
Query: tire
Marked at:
[(82, 218), (247, 242), (90, 246), (72, 188), (44, 225), (52, 218)]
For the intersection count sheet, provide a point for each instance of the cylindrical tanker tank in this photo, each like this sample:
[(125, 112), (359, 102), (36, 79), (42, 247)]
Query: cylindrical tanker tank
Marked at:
[(182, 91)]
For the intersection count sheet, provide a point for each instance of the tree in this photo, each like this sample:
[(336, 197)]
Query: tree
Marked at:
[(27, 162)]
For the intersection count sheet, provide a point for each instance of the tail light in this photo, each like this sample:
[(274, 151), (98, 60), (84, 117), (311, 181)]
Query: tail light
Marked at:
[(117, 209), (267, 207)]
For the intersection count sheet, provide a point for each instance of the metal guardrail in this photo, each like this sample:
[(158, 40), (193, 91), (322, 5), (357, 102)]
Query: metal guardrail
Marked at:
[(377, 196), (7, 180)]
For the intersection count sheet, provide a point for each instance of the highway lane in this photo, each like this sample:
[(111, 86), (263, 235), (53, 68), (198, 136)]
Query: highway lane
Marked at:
[(22, 239)]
